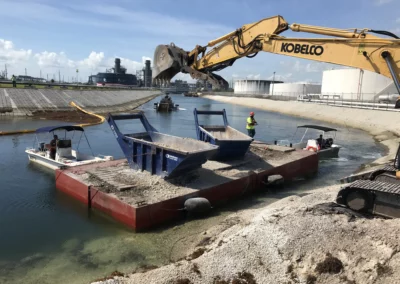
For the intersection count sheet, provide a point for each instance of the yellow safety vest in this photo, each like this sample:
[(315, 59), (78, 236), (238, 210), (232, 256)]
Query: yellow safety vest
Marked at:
[(248, 126)]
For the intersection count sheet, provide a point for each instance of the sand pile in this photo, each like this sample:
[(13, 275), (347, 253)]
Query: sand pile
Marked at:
[(295, 240)]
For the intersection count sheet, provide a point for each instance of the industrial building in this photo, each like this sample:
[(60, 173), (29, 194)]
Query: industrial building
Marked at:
[(355, 84), (294, 89), (253, 87), (115, 76)]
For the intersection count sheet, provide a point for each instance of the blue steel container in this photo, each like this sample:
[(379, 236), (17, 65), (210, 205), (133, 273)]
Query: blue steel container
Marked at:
[(232, 143), (160, 154)]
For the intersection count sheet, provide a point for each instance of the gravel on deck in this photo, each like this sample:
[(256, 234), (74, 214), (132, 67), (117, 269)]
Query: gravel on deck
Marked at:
[(133, 186)]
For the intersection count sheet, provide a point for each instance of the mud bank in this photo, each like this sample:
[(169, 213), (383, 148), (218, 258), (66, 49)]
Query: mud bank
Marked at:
[(296, 239), (67, 116)]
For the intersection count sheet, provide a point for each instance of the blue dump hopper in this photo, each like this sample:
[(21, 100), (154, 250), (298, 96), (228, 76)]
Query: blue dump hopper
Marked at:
[(232, 143), (160, 154)]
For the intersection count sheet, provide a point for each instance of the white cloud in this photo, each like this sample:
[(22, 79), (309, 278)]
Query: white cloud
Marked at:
[(48, 63), (93, 61), (253, 77), (382, 2), (9, 54), (313, 67), (278, 77), (52, 59)]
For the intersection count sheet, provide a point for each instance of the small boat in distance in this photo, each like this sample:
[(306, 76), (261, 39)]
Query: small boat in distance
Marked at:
[(324, 147), (166, 104), (58, 154)]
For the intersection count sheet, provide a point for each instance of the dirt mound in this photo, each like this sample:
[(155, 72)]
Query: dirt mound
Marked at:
[(67, 116), (295, 240)]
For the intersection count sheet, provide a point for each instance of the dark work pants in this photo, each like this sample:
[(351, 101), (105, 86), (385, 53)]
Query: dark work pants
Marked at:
[(14, 84), (251, 132)]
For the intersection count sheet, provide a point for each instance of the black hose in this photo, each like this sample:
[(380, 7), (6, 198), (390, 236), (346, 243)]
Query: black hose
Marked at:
[(248, 47), (253, 55), (385, 33)]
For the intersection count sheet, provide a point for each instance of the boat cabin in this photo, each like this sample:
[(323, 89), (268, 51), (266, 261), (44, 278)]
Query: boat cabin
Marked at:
[(59, 152)]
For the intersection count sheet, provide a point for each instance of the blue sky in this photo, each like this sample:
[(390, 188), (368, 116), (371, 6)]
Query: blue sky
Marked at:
[(47, 36)]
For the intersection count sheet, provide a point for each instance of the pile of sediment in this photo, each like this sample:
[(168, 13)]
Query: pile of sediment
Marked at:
[(295, 240)]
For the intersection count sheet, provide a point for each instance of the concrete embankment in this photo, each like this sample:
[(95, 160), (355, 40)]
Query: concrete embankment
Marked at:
[(25, 102)]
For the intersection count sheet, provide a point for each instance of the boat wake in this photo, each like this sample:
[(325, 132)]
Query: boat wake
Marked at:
[(371, 156)]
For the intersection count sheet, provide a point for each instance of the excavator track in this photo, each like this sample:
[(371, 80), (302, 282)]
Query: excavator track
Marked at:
[(372, 196)]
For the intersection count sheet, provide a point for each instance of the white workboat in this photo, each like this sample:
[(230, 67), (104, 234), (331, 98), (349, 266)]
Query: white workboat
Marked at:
[(325, 150), (65, 156)]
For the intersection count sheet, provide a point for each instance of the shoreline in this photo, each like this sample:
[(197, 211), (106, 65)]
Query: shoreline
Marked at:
[(287, 241), (363, 119)]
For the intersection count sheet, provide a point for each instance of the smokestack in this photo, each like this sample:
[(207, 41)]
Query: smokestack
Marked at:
[(147, 74), (117, 68)]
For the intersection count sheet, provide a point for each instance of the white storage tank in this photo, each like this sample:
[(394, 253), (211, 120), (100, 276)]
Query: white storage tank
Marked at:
[(355, 84), (252, 87), (294, 89)]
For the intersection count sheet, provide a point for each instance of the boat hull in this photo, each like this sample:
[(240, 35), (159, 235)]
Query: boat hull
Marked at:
[(43, 161), (36, 157), (332, 152)]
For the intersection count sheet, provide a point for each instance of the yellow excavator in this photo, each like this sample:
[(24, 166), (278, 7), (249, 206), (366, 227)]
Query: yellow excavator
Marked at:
[(374, 50), (360, 48)]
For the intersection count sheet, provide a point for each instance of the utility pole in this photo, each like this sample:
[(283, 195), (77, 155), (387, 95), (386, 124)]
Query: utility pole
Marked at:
[(47, 77), (273, 84), (25, 72), (40, 74), (5, 65), (59, 77)]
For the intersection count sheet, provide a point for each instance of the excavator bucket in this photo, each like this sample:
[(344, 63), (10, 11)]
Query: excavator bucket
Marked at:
[(168, 61)]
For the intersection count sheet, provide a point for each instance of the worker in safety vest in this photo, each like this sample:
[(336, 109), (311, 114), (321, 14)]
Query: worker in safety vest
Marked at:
[(13, 81), (251, 123)]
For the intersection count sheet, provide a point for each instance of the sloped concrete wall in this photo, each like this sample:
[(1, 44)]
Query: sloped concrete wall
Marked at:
[(25, 101)]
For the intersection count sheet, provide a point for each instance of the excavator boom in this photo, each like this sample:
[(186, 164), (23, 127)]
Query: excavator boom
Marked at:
[(359, 48)]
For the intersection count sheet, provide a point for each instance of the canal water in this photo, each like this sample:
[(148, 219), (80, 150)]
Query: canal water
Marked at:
[(46, 237)]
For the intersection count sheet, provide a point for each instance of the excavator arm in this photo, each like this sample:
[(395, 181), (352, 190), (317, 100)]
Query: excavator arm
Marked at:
[(359, 48)]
